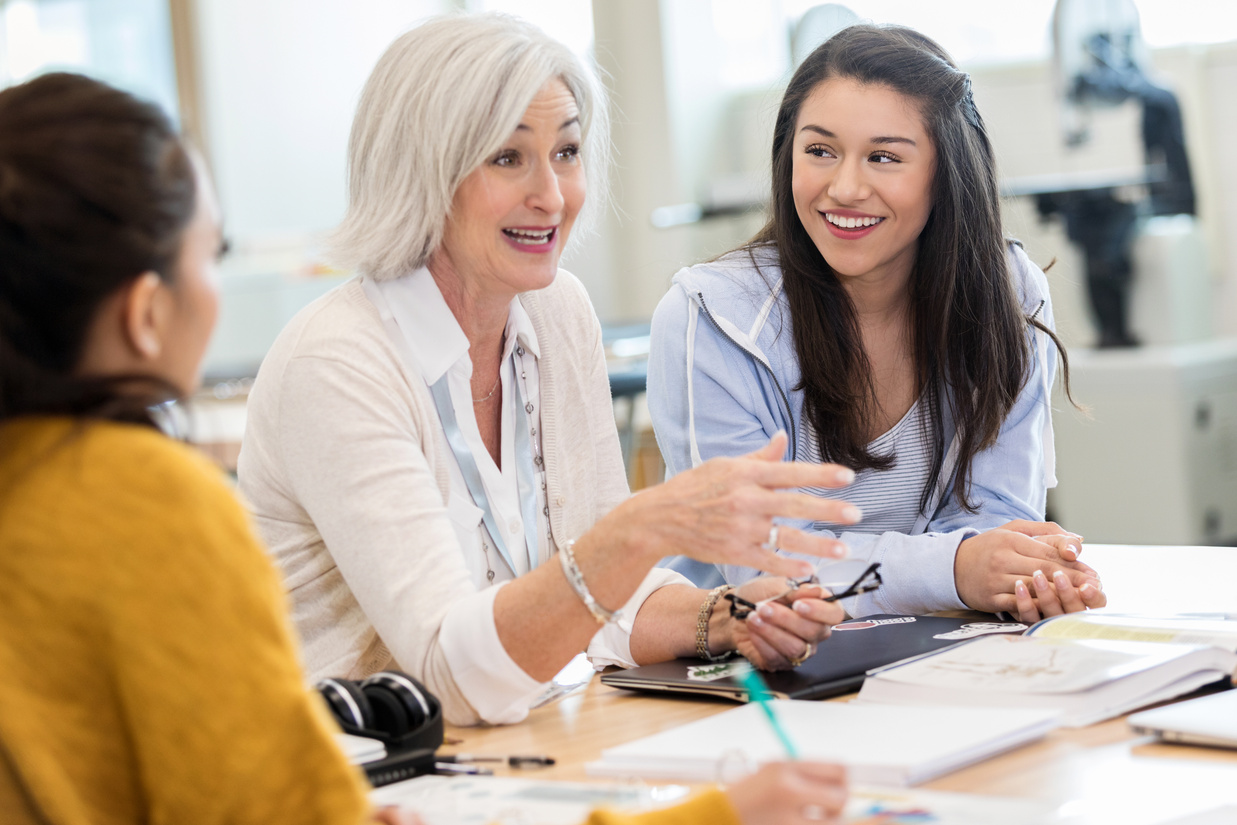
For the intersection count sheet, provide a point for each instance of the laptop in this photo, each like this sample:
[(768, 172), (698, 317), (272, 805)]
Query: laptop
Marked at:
[(838, 667), (1207, 720)]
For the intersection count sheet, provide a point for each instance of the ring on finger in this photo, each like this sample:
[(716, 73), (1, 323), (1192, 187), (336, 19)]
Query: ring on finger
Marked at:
[(771, 541), (808, 650)]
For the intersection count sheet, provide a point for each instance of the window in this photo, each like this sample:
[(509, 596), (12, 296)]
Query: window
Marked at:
[(127, 43)]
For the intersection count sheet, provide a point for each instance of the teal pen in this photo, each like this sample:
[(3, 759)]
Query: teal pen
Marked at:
[(758, 692)]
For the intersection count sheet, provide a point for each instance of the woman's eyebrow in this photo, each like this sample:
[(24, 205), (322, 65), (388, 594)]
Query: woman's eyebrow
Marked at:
[(884, 139)]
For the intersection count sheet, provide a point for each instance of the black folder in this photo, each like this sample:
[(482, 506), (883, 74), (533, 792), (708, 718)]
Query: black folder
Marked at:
[(838, 666)]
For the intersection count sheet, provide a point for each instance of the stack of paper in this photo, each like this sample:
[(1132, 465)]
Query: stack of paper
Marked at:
[(879, 745), (1086, 680)]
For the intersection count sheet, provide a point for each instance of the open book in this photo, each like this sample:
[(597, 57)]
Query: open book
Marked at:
[(1089, 666)]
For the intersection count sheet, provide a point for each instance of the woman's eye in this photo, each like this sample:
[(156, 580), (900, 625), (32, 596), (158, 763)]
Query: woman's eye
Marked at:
[(507, 158), (568, 152), (818, 150), (883, 157)]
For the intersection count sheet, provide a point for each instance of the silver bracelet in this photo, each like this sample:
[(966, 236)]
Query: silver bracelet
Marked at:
[(575, 578)]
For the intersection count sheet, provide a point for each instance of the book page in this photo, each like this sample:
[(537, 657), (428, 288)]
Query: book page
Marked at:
[(1030, 665), (1118, 627)]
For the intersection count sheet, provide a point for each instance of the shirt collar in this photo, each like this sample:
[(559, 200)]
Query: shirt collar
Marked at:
[(433, 335)]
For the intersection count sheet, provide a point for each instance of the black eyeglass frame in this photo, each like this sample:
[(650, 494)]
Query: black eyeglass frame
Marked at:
[(869, 580)]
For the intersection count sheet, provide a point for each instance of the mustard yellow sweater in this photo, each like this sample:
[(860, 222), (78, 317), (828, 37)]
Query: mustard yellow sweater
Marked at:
[(147, 669)]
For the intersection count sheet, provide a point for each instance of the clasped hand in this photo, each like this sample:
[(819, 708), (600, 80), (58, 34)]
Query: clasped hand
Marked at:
[(1026, 568)]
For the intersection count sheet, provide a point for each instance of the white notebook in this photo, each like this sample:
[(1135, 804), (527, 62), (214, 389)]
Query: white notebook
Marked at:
[(879, 745)]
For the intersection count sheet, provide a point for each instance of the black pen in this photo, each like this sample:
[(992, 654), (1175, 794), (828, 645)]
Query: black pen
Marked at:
[(513, 761), (452, 768)]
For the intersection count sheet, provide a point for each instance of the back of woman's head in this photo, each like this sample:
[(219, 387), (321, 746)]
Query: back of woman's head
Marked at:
[(442, 98), (95, 189)]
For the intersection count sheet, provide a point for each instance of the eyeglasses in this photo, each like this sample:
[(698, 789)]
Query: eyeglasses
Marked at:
[(741, 608), (869, 580)]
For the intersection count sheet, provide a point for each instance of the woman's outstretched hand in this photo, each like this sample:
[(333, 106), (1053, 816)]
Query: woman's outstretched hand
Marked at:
[(722, 512)]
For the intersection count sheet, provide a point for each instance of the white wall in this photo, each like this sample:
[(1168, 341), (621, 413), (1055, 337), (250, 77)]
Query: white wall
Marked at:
[(280, 82)]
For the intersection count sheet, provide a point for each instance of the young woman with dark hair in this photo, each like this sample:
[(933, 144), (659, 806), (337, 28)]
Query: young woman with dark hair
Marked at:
[(883, 321)]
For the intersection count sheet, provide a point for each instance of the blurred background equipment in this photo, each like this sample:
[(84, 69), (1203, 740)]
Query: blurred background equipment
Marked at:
[(1101, 62), (1164, 414)]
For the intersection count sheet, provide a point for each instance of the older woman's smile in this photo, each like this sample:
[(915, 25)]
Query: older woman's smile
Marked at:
[(532, 239)]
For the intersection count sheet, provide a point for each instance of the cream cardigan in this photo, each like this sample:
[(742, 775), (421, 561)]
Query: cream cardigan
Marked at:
[(345, 468)]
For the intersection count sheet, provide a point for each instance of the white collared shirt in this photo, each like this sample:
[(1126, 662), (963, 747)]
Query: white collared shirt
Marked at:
[(437, 346)]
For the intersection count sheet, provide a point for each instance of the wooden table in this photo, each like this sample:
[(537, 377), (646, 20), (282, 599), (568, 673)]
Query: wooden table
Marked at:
[(1099, 774)]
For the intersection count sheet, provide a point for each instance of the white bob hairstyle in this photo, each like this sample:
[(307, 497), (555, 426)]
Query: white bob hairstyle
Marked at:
[(444, 97)]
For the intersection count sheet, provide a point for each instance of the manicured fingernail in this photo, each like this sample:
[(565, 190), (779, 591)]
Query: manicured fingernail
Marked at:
[(754, 619), (851, 514), (802, 607), (846, 476), (1041, 580), (840, 551), (766, 610), (805, 570), (1020, 588), (1060, 579), (1087, 589)]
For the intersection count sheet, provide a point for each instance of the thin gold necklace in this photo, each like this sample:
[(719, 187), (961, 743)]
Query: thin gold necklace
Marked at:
[(497, 381)]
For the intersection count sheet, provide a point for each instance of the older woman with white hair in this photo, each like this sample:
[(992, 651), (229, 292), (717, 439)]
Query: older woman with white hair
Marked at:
[(431, 450)]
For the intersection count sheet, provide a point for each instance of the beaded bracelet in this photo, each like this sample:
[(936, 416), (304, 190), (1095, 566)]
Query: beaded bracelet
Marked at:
[(702, 625), (576, 579)]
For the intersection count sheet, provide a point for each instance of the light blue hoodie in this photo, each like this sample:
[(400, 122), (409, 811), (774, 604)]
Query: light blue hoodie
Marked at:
[(722, 379)]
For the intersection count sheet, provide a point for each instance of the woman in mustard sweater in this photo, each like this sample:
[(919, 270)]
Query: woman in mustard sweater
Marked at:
[(147, 669)]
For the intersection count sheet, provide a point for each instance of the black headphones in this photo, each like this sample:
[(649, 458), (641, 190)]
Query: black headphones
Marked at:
[(389, 706)]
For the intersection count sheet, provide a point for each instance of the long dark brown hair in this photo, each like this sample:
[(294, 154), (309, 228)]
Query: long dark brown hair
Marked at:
[(95, 189), (970, 342)]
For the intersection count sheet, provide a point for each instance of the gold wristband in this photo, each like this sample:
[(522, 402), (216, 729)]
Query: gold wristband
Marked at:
[(702, 625)]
